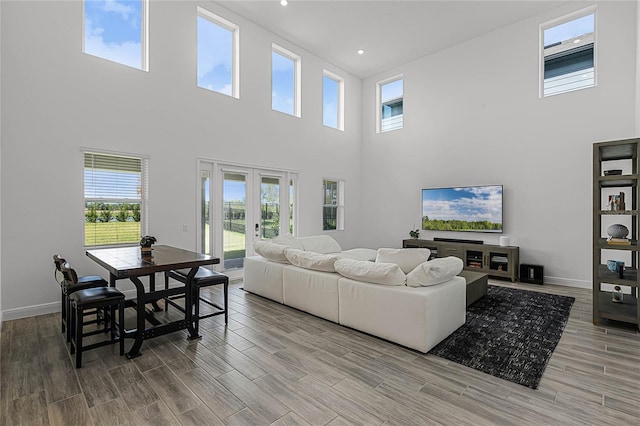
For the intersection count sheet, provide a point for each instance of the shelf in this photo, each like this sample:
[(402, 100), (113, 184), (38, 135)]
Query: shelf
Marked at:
[(630, 276), (627, 311), (602, 244), (619, 212), (618, 151), (615, 181)]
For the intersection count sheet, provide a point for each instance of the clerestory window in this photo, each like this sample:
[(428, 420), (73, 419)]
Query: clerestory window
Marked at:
[(285, 81), (217, 54), (390, 95), (568, 53), (117, 31)]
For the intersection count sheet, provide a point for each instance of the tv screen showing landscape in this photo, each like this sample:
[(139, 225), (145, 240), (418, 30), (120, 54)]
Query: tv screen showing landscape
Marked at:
[(465, 209)]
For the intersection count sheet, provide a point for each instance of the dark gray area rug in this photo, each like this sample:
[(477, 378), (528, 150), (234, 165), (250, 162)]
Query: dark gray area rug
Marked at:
[(509, 334)]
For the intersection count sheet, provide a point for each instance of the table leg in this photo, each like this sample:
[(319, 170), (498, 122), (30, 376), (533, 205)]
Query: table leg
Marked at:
[(140, 317), (152, 288), (188, 306)]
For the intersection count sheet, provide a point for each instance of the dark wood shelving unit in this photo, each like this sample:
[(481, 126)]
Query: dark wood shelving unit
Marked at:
[(628, 311)]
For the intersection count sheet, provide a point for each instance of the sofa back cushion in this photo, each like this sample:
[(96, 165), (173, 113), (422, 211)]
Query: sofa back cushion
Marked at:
[(371, 272), (435, 271), (288, 240), (271, 251), (406, 258), (320, 244), (310, 260)]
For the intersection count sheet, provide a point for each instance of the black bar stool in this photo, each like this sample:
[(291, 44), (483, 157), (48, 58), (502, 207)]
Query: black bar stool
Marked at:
[(204, 278), (108, 299), (66, 288)]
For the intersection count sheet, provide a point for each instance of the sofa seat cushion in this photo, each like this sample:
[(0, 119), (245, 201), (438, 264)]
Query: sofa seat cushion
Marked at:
[(311, 260), (271, 251), (264, 278), (418, 318), (320, 244), (406, 258), (435, 271), (359, 254), (311, 291), (371, 272)]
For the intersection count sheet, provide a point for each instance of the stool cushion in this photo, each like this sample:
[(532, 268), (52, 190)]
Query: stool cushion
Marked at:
[(96, 295), (203, 277), (83, 286)]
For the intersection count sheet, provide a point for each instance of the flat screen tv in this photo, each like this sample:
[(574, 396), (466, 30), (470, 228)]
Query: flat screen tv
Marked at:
[(464, 208)]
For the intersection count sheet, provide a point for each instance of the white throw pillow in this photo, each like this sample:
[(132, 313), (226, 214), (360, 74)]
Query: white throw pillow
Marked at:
[(320, 244), (271, 251), (311, 260), (406, 258), (434, 272), (288, 240), (359, 254), (371, 272)]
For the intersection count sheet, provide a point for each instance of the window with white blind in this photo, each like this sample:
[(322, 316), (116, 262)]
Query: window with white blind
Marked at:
[(332, 205), (115, 198)]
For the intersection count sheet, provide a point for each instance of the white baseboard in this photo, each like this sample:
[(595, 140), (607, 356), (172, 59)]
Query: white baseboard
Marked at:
[(49, 308), (568, 282), (30, 311)]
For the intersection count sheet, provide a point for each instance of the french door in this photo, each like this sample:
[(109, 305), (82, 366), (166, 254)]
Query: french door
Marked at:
[(239, 205)]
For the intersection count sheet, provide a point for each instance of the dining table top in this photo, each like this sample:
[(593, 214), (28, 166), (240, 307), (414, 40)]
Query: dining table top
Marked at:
[(123, 262)]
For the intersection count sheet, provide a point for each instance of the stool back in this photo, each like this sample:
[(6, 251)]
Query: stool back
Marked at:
[(70, 275), (58, 261)]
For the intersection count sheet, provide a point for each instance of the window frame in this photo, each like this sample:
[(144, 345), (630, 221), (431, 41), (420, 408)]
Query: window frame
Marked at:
[(379, 86), (297, 79), (235, 47), (339, 205), (559, 21), (144, 38), (144, 194), (340, 81)]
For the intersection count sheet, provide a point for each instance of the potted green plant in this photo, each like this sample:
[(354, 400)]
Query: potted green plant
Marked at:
[(414, 233), (145, 244)]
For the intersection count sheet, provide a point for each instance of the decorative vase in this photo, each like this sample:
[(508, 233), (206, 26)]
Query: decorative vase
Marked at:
[(617, 230), (617, 295)]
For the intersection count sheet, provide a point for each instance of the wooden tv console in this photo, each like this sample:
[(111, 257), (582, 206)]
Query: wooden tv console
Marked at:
[(495, 260)]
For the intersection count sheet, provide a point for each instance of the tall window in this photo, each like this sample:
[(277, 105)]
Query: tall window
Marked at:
[(117, 30), (217, 54), (285, 81), (333, 205), (568, 58), (332, 100), (390, 95), (114, 199)]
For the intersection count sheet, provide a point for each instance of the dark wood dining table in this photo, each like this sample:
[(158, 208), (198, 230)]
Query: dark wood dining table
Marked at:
[(128, 262)]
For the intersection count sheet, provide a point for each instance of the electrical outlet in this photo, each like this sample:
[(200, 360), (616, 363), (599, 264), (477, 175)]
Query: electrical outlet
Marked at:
[(185, 228)]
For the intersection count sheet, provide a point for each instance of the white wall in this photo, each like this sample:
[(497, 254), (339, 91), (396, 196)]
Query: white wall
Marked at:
[(473, 117), (56, 99)]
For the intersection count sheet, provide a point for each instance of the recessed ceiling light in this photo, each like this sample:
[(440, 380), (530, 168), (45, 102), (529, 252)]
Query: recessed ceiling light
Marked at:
[(360, 51), (577, 40), (284, 2)]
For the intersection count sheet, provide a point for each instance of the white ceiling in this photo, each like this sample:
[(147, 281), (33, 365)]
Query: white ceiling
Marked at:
[(391, 32)]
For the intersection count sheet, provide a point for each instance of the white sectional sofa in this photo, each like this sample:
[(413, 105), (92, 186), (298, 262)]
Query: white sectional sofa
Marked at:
[(351, 288)]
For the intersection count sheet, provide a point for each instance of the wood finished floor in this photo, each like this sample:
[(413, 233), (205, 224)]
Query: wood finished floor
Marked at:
[(279, 366)]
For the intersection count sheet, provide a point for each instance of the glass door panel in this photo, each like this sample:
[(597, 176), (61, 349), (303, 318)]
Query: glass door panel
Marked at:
[(205, 203), (234, 209), (269, 207)]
